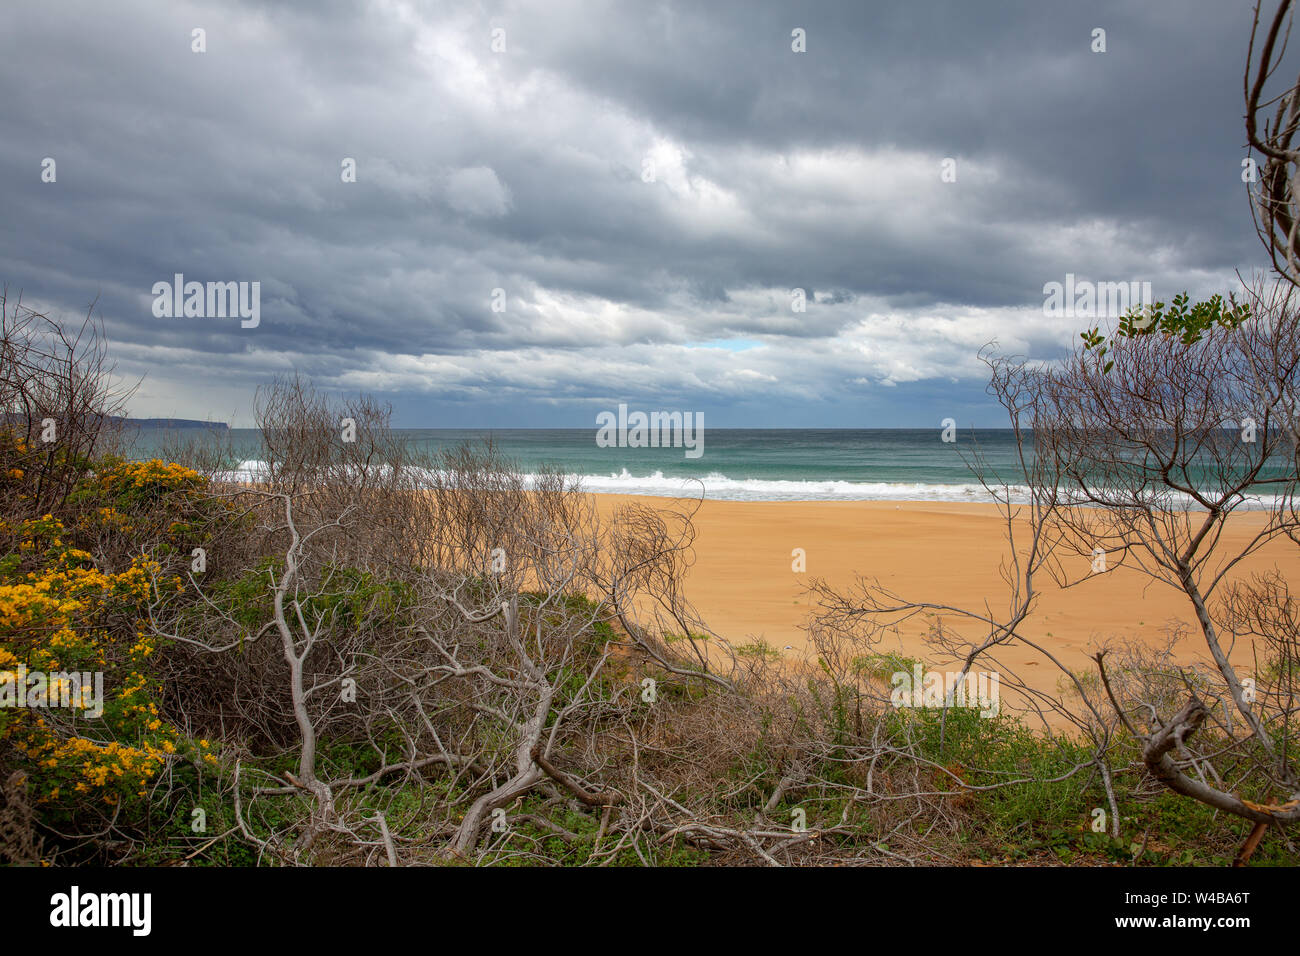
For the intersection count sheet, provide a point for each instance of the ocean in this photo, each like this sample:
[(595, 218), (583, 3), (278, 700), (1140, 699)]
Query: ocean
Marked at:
[(736, 464)]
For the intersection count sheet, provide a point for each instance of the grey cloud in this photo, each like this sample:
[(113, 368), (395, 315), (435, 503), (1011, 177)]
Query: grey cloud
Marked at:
[(523, 171)]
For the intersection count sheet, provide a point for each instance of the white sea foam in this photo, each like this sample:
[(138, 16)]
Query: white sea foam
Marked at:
[(715, 485), (720, 487)]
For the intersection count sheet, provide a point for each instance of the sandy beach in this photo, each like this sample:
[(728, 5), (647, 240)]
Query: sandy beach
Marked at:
[(744, 586)]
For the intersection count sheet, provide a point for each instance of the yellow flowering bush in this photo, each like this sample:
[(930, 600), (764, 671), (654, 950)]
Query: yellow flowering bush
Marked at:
[(138, 480), (15, 458), (105, 519), (62, 611), (144, 501)]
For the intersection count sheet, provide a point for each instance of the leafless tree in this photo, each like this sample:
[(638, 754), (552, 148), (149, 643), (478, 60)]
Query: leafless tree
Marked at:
[(1272, 118), (1140, 458), (495, 650), (58, 402), (494, 643)]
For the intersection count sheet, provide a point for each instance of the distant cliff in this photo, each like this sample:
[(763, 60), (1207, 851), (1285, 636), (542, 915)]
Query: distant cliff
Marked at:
[(169, 423), (14, 418)]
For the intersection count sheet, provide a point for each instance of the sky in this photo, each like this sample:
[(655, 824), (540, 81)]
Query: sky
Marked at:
[(560, 207)]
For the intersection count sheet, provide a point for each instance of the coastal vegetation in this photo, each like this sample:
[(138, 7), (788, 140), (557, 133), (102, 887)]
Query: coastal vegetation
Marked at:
[(373, 656)]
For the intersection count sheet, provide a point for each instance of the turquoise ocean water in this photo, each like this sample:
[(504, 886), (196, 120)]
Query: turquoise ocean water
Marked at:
[(738, 464)]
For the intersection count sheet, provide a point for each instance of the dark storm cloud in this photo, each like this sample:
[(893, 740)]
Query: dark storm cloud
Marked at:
[(523, 171)]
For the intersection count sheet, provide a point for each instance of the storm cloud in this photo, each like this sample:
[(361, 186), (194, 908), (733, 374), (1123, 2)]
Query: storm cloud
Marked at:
[(562, 206)]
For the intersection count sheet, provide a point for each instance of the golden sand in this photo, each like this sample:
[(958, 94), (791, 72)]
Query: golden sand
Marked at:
[(744, 586)]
